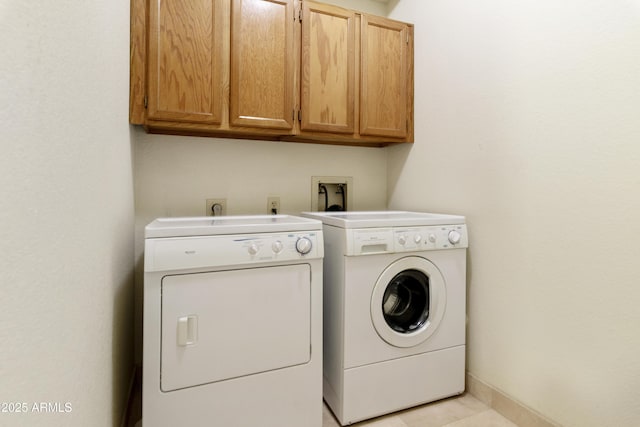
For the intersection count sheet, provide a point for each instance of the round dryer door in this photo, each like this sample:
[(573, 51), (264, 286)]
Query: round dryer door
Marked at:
[(408, 302)]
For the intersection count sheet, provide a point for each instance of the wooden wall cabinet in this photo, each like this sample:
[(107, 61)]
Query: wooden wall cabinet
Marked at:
[(271, 69), (327, 95), (213, 67), (384, 78), (262, 64), (185, 61), (356, 77)]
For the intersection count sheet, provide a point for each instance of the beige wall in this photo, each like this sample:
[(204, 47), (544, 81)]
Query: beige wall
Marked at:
[(66, 212), (375, 7), (528, 122)]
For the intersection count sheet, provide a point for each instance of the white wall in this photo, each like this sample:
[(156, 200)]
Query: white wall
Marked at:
[(66, 211), (175, 175), (528, 122), (374, 7)]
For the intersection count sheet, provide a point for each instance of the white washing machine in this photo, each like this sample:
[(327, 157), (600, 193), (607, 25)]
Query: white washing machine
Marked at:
[(232, 322), (394, 310)]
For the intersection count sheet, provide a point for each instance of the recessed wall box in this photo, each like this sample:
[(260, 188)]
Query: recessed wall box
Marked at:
[(331, 193)]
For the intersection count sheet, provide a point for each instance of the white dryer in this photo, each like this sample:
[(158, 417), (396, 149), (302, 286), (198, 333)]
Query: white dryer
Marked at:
[(394, 310), (232, 322)]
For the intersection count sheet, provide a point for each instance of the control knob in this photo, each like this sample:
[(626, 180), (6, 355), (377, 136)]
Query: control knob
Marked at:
[(417, 238), (402, 239), (252, 249), (277, 246), (454, 237), (303, 245)]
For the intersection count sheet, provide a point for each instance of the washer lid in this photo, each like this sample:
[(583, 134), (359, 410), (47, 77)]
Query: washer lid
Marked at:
[(210, 225), (369, 219)]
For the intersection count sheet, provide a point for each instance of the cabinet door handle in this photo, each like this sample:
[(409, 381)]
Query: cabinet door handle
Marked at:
[(187, 330)]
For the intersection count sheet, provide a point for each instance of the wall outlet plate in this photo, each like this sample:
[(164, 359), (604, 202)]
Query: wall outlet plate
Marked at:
[(211, 203), (273, 205)]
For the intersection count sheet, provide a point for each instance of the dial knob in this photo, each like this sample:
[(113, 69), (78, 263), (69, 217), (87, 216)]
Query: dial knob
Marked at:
[(303, 245), (252, 249), (432, 238), (417, 238), (277, 246), (454, 237), (402, 239)]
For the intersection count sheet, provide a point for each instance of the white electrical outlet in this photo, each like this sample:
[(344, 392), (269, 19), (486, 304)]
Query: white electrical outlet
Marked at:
[(273, 205), (216, 207)]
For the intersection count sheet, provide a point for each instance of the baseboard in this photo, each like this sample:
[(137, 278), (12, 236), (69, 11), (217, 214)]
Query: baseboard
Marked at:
[(508, 407)]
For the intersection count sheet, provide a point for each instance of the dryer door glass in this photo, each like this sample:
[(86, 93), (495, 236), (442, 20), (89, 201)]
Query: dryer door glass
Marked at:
[(405, 303)]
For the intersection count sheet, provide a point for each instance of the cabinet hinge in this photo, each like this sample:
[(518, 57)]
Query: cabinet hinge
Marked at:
[(146, 101), (299, 115), (300, 13)]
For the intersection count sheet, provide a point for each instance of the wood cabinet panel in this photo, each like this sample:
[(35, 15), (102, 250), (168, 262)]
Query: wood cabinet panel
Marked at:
[(383, 77), (262, 64), (184, 65), (327, 68), (247, 68), (137, 58)]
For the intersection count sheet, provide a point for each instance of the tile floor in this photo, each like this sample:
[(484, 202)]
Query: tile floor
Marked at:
[(461, 411)]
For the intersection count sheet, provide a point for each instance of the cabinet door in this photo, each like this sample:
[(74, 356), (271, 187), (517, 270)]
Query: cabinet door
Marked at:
[(328, 61), (383, 79), (185, 52), (262, 64)]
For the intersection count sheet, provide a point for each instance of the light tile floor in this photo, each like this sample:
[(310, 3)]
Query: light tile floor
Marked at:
[(461, 411)]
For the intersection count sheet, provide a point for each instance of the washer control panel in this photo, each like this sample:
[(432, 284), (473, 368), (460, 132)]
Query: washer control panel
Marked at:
[(430, 238), (406, 239), (174, 253)]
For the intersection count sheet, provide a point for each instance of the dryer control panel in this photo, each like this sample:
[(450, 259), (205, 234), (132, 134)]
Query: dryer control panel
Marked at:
[(406, 239), (176, 253)]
